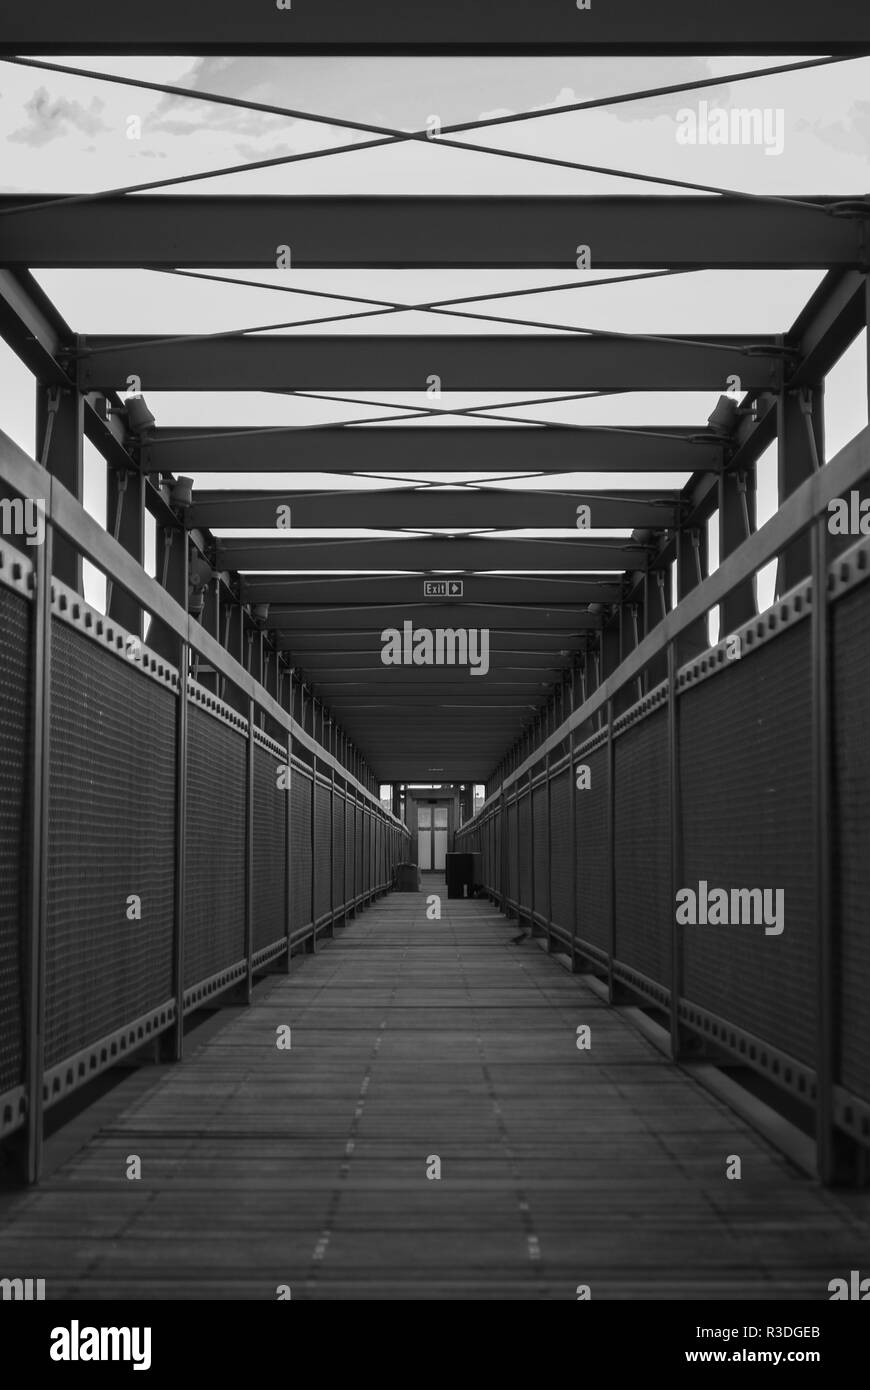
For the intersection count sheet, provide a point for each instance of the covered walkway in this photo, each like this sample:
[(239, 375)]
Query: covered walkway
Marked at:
[(410, 1039)]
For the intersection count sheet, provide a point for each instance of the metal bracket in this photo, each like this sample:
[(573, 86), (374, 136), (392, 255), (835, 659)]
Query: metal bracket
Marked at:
[(52, 407)]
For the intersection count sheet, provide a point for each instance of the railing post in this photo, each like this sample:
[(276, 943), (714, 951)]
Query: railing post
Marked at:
[(249, 860), (37, 884), (332, 849), (60, 447), (676, 837), (312, 945), (572, 792), (288, 836), (833, 1150), (611, 851), (173, 1049)]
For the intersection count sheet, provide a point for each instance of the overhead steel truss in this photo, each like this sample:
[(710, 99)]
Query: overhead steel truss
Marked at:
[(561, 613), (453, 27)]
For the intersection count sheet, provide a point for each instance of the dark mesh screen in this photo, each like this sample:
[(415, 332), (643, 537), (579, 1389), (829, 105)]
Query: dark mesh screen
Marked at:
[(511, 851), (525, 818), (111, 836), (321, 850), (745, 740), (542, 874), (348, 851), (300, 849), (850, 832), (593, 881), (214, 896), (644, 912), (338, 851), (562, 851), (270, 814), (15, 737)]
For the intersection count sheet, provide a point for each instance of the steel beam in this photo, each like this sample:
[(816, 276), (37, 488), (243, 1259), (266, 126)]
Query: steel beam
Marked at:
[(626, 232), (398, 448), (563, 621), (284, 596), (430, 507), (470, 362), (341, 27), (320, 666), (424, 553), (317, 646)]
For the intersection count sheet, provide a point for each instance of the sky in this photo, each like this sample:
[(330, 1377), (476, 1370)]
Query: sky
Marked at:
[(61, 133)]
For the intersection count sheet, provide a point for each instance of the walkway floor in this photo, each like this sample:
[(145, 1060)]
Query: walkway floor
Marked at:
[(412, 1039)]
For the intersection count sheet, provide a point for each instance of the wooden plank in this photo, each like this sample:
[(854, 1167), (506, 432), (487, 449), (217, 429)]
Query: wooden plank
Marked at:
[(412, 1038)]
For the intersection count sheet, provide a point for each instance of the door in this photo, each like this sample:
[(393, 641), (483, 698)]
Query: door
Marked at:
[(439, 835), (424, 838)]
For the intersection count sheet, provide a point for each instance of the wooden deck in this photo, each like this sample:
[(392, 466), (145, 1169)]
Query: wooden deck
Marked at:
[(410, 1039)]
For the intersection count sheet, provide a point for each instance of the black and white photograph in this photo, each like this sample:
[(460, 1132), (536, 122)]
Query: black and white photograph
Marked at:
[(434, 674)]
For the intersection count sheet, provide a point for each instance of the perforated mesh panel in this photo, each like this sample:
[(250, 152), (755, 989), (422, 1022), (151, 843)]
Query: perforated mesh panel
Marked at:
[(322, 872), (300, 849), (111, 836), (525, 851), (348, 851), (270, 853), (511, 851), (850, 833), (644, 911), (541, 882), (15, 736), (745, 739), (593, 881), (338, 851), (562, 852), (214, 897)]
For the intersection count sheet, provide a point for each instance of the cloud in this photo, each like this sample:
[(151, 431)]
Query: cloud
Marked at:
[(851, 135), (403, 95), (51, 120)]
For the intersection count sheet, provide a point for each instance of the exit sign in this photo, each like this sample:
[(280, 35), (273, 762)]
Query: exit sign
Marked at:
[(443, 588)]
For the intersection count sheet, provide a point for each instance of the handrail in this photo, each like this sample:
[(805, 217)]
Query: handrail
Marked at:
[(65, 512), (796, 513)]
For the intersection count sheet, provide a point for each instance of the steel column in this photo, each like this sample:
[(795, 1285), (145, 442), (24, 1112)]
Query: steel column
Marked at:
[(31, 1142)]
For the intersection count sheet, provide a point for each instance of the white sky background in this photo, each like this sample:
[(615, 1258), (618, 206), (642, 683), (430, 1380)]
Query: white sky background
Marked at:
[(66, 134)]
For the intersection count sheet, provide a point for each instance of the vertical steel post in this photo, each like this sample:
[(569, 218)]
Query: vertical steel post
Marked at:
[(249, 860), (676, 838), (37, 875), (60, 448), (832, 1150), (313, 945), (332, 849), (572, 792), (288, 835), (611, 850), (173, 1049)]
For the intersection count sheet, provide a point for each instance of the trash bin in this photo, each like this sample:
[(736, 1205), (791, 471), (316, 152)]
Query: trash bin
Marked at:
[(407, 878), (459, 871)]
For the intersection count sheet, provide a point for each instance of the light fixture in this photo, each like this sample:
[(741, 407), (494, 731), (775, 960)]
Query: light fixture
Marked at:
[(181, 493), (139, 417), (642, 535), (723, 420), (260, 611), (199, 575)]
